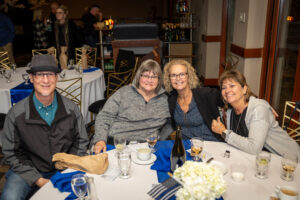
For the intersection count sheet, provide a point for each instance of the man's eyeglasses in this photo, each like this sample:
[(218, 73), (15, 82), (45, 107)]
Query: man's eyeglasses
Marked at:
[(149, 77), (180, 75), (59, 13), (41, 75)]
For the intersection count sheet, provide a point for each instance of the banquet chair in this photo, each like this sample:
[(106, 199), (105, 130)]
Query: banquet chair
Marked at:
[(117, 80), (291, 119), (125, 61), (91, 56), (51, 51), (4, 60), (72, 89)]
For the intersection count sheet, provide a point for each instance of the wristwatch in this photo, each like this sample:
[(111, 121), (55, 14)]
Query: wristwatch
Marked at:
[(225, 134)]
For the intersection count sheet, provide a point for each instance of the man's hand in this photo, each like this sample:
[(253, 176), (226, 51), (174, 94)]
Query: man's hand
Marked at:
[(41, 182), (217, 126), (100, 146)]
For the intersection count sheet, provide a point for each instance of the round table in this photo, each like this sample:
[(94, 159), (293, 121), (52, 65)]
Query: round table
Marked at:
[(143, 178)]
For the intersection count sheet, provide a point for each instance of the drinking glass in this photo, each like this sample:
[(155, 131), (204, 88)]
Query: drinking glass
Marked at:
[(25, 78), (80, 70), (62, 74), (2, 71), (14, 68), (262, 164), (152, 140), (7, 75), (71, 63), (289, 163), (120, 143), (79, 185), (124, 161), (196, 148)]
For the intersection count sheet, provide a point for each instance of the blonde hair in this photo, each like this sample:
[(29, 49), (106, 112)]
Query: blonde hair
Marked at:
[(193, 79), (64, 8), (37, 14)]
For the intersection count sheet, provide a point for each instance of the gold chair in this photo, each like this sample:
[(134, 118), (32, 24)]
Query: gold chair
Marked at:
[(51, 51), (291, 120), (4, 60), (71, 89), (91, 56)]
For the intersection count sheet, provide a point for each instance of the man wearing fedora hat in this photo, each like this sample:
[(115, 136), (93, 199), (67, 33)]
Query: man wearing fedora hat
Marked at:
[(36, 128)]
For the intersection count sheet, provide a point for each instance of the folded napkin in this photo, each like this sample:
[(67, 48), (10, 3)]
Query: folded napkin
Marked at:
[(62, 181), (95, 164), (163, 152), (165, 190), (90, 69), (20, 92)]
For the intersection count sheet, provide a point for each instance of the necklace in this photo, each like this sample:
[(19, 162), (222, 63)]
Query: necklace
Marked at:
[(231, 121)]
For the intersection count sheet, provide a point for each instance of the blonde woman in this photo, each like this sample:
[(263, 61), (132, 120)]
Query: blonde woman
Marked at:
[(191, 106), (39, 30)]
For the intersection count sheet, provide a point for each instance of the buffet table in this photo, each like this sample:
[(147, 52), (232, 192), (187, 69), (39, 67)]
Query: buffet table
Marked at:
[(142, 178), (93, 88)]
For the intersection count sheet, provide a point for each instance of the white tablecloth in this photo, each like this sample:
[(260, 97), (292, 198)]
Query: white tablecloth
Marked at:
[(142, 179), (93, 88)]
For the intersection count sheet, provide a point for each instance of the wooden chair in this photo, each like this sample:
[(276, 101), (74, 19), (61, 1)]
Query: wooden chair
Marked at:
[(4, 60), (71, 89), (51, 51), (91, 56), (291, 119)]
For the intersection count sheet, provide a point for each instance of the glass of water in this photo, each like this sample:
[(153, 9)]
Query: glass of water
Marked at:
[(79, 185), (2, 71), (120, 143), (7, 75), (262, 164), (124, 161)]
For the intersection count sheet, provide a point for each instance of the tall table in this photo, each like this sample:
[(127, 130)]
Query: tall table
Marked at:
[(142, 179), (93, 88)]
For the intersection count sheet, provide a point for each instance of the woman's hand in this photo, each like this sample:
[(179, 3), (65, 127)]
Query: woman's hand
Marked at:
[(217, 126), (100, 146)]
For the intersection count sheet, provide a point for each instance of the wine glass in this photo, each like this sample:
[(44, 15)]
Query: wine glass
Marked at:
[(196, 148), (62, 74), (7, 75), (25, 78), (79, 185), (14, 68), (152, 140), (120, 143), (289, 163)]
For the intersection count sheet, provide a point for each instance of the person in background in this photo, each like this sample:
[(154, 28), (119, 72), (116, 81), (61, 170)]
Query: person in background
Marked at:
[(36, 128), (90, 20), (66, 33), (192, 107), (7, 34), (136, 110), (39, 30), (51, 20), (251, 125)]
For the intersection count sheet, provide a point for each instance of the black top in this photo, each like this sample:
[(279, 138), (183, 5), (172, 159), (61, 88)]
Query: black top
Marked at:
[(89, 20), (207, 99), (238, 124), (61, 37)]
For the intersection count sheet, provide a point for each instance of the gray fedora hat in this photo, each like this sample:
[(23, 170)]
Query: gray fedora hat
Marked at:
[(44, 62)]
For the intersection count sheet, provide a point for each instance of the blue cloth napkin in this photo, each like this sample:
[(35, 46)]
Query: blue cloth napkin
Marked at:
[(163, 151), (62, 181), (90, 69), (110, 147), (20, 92)]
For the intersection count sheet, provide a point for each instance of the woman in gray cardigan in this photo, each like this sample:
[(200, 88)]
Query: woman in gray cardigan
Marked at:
[(251, 125)]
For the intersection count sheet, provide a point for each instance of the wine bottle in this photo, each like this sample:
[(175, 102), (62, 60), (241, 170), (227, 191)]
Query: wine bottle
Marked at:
[(178, 155)]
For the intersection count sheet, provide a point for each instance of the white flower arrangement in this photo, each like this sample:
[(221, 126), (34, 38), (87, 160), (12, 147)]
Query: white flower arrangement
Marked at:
[(201, 181)]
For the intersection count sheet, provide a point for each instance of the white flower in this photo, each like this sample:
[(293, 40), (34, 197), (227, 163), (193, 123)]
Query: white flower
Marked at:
[(200, 181)]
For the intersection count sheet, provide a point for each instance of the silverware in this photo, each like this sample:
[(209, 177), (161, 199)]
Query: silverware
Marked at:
[(209, 160)]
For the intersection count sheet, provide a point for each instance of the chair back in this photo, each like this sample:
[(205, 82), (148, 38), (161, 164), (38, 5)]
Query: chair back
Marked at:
[(51, 51), (125, 61), (91, 54), (71, 89), (116, 80), (4, 60), (291, 119)]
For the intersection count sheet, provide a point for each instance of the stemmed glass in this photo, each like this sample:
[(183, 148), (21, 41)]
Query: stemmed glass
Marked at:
[(2, 71), (152, 140), (289, 163), (7, 75), (25, 78), (62, 74), (120, 143), (79, 185), (196, 148), (14, 68)]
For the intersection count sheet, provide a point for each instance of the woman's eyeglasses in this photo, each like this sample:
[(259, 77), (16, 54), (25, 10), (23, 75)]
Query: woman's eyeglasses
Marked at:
[(180, 75)]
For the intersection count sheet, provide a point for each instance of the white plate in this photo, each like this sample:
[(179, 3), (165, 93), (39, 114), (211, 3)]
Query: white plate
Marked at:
[(142, 162), (219, 165)]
